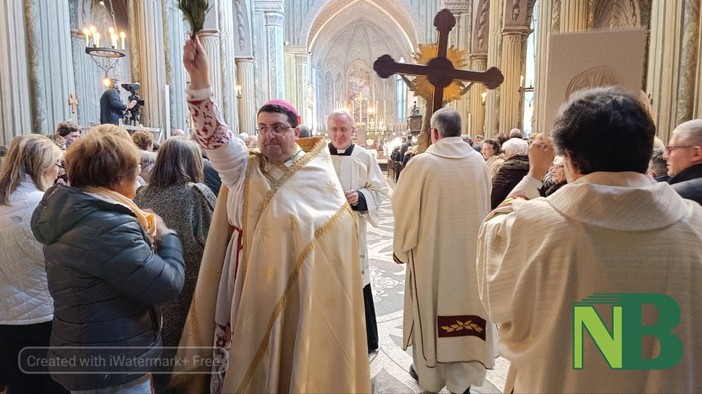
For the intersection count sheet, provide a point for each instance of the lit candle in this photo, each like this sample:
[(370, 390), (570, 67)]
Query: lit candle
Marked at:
[(113, 37), (97, 39), (122, 35), (86, 33)]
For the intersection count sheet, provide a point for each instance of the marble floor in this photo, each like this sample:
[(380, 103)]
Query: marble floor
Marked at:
[(390, 364)]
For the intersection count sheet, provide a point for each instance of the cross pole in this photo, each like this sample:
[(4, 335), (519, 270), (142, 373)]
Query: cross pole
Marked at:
[(439, 70)]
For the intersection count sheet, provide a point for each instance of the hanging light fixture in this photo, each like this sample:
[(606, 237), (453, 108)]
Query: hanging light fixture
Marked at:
[(102, 38)]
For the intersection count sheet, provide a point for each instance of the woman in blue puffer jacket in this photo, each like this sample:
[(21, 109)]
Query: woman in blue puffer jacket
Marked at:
[(109, 267)]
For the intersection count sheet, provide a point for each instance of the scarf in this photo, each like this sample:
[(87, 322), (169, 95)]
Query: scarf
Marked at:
[(145, 219)]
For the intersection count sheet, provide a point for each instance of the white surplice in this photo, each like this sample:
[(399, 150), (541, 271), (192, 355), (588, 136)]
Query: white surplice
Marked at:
[(360, 171), (604, 233)]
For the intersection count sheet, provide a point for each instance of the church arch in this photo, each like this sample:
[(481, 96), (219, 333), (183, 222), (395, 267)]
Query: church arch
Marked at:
[(399, 12)]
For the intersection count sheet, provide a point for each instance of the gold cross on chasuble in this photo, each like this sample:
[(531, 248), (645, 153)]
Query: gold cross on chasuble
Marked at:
[(439, 71)]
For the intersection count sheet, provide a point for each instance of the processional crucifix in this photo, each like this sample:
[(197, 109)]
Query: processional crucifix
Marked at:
[(439, 71)]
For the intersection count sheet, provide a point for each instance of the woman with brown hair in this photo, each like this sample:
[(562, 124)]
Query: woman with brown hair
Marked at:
[(177, 194), (109, 265), (26, 307)]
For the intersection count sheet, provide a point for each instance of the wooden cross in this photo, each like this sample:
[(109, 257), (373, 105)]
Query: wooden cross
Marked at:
[(73, 102), (439, 70)]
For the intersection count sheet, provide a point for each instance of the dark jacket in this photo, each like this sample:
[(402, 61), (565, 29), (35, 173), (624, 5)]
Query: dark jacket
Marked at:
[(510, 173), (106, 281), (688, 183), (111, 107)]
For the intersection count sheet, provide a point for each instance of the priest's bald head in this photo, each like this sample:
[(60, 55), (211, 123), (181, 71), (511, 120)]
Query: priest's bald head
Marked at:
[(603, 129)]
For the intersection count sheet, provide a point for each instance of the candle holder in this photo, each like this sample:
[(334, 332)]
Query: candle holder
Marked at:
[(103, 30)]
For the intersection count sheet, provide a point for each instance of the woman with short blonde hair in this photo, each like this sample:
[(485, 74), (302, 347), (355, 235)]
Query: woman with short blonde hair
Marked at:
[(109, 265), (26, 306)]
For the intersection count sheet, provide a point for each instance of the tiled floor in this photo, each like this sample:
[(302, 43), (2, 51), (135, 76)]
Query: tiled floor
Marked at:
[(389, 365)]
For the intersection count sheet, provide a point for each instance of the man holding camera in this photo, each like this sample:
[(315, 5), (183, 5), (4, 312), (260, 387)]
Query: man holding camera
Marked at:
[(111, 106)]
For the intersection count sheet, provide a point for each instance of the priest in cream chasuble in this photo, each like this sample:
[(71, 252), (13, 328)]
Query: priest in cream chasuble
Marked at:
[(279, 289), (365, 188), (439, 203)]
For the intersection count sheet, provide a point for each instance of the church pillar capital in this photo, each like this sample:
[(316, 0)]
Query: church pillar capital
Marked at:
[(476, 57), (274, 18), (457, 7), (297, 50)]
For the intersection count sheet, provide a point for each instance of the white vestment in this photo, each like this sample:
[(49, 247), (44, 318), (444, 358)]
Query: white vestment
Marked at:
[(276, 296), (604, 233), (360, 172), (441, 199)]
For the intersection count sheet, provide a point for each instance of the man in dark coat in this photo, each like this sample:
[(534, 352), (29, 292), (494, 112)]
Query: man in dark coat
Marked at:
[(111, 106), (684, 157)]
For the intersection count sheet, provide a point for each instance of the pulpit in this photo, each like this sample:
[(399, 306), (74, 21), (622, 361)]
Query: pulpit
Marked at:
[(414, 124)]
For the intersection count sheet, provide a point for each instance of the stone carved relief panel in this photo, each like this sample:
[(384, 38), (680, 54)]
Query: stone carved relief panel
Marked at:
[(481, 26), (515, 13), (592, 78)]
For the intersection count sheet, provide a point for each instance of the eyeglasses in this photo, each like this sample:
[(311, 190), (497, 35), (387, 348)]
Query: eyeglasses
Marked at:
[(59, 165), (670, 148), (276, 129)]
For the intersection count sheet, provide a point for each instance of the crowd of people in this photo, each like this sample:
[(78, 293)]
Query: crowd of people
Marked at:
[(257, 259)]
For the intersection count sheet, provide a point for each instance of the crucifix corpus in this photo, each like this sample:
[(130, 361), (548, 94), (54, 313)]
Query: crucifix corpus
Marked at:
[(73, 102), (440, 71)]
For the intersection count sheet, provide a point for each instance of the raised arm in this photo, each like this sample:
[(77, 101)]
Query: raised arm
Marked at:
[(227, 153)]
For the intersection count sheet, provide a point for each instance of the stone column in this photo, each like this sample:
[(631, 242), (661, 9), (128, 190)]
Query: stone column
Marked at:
[(228, 65), (477, 107), (247, 101), (49, 38), (273, 14), (150, 58), (662, 83), (689, 56), (15, 104), (88, 80), (260, 56), (303, 84), (573, 15), (697, 114), (510, 114), (461, 37), (210, 43), (543, 35), (492, 102), (175, 72), (296, 78)]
